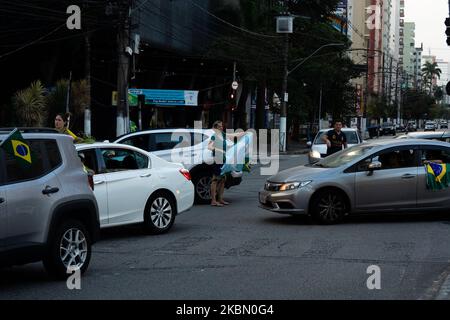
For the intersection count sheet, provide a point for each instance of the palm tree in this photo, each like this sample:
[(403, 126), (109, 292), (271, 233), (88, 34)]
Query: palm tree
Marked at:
[(30, 105), (429, 72)]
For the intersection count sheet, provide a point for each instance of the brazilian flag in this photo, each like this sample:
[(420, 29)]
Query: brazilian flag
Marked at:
[(18, 148), (438, 177)]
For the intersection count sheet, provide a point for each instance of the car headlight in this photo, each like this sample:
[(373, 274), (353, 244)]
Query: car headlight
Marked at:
[(314, 154), (294, 185)]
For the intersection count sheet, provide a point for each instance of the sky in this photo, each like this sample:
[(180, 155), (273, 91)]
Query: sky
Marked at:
[(429, 16)]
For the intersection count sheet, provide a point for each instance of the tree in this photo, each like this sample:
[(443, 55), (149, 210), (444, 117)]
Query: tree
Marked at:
[(30, 105), (260, 57), (429, 72)]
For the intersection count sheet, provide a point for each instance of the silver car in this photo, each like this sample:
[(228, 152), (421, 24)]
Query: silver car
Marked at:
[(383, 176)]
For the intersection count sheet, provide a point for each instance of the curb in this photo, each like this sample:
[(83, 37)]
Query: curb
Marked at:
[(444, 291), (297, 152)]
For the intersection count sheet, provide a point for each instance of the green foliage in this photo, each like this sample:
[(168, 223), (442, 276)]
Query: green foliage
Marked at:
[(260, 58), (417, 105), (30, 105)]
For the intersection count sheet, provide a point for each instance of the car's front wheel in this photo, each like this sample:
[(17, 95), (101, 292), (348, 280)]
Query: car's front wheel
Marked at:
[(160, 213), (69, 249), (329, 207)]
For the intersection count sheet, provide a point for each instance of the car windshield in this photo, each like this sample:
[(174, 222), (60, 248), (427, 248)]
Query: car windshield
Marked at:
[(352, 137), (345, 156)]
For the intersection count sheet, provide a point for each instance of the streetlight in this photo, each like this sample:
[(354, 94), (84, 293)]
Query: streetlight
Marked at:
[(284, 95)]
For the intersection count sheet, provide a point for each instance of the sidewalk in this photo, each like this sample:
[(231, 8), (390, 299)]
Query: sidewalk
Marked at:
[(296, 147)]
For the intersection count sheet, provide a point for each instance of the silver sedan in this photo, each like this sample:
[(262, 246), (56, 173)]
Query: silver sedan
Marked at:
[(383, 176)]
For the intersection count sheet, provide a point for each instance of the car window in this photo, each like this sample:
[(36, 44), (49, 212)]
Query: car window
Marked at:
[(352, 137), (167, 141), (345, 156), (439, 155), (198, 138), (139, 141), (397, 159), (16, 173), (53, 154), (89, 159), (122, 159), (142, 160)]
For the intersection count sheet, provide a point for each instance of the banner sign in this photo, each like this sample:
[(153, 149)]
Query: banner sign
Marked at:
[(166, 97)]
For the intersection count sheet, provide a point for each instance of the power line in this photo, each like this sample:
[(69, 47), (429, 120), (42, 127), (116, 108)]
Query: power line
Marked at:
[(232, 25), (32, 42)]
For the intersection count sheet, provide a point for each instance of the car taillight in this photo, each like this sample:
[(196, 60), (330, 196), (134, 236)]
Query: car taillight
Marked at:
[(91, 181), (186, 174)]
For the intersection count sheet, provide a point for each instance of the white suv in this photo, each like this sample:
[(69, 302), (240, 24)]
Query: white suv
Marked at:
[(191, 145), (47, 211)]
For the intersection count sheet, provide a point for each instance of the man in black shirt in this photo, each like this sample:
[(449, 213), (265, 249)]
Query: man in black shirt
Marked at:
[(335, 139)]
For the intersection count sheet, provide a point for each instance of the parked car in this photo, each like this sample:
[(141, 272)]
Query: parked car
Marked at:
[(439, 136), (382, 176), (443, 125), (430, 126), (411, 127), (48, 211), (319, 148), (134, 186), (192, 145), (388, 128)]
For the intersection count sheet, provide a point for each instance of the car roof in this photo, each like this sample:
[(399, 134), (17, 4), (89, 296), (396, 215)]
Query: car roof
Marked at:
[(343, 129), (386, 143), (43, 135), (421, 135), (84, 146), (132, 134)]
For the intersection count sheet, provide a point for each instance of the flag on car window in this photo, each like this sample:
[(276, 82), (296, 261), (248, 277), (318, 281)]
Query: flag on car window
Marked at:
[(437, 176), (18, 148)]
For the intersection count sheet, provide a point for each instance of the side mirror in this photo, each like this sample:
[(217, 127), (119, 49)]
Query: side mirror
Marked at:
[(309, 144), (375, 165)]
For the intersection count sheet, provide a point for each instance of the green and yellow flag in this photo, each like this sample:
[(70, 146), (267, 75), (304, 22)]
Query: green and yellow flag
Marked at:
[(18, 148), (438, 177)]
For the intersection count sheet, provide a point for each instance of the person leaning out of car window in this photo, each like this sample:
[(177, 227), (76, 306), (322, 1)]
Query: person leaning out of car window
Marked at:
[(62, 125), (335, 138)]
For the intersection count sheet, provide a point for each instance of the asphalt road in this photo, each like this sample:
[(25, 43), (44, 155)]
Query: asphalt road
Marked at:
[(244, 252)]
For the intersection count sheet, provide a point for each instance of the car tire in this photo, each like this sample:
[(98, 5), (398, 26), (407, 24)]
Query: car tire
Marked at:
[(202, 186), (160, 212), (329, 207), (69, 246)]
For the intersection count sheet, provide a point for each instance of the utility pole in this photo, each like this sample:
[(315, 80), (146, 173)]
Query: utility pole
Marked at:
[(284, 96), (124, 52), (320, 106), (87, 110), (390, 82), (69, 89)]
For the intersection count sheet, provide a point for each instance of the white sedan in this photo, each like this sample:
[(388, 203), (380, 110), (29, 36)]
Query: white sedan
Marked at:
[(134, 186)]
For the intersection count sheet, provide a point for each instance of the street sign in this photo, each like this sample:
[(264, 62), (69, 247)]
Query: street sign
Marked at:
[(235, 85)]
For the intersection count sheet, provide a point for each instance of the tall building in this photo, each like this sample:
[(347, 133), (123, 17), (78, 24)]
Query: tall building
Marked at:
[(408, 52), (445, 77), (418, 67)]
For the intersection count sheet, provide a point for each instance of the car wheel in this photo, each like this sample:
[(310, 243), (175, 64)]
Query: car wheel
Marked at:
[(202, 187), (329, 207), (159, 214), (69, 249)]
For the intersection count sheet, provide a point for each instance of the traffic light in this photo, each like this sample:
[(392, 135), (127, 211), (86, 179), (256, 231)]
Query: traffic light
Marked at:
[(447, 31)]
